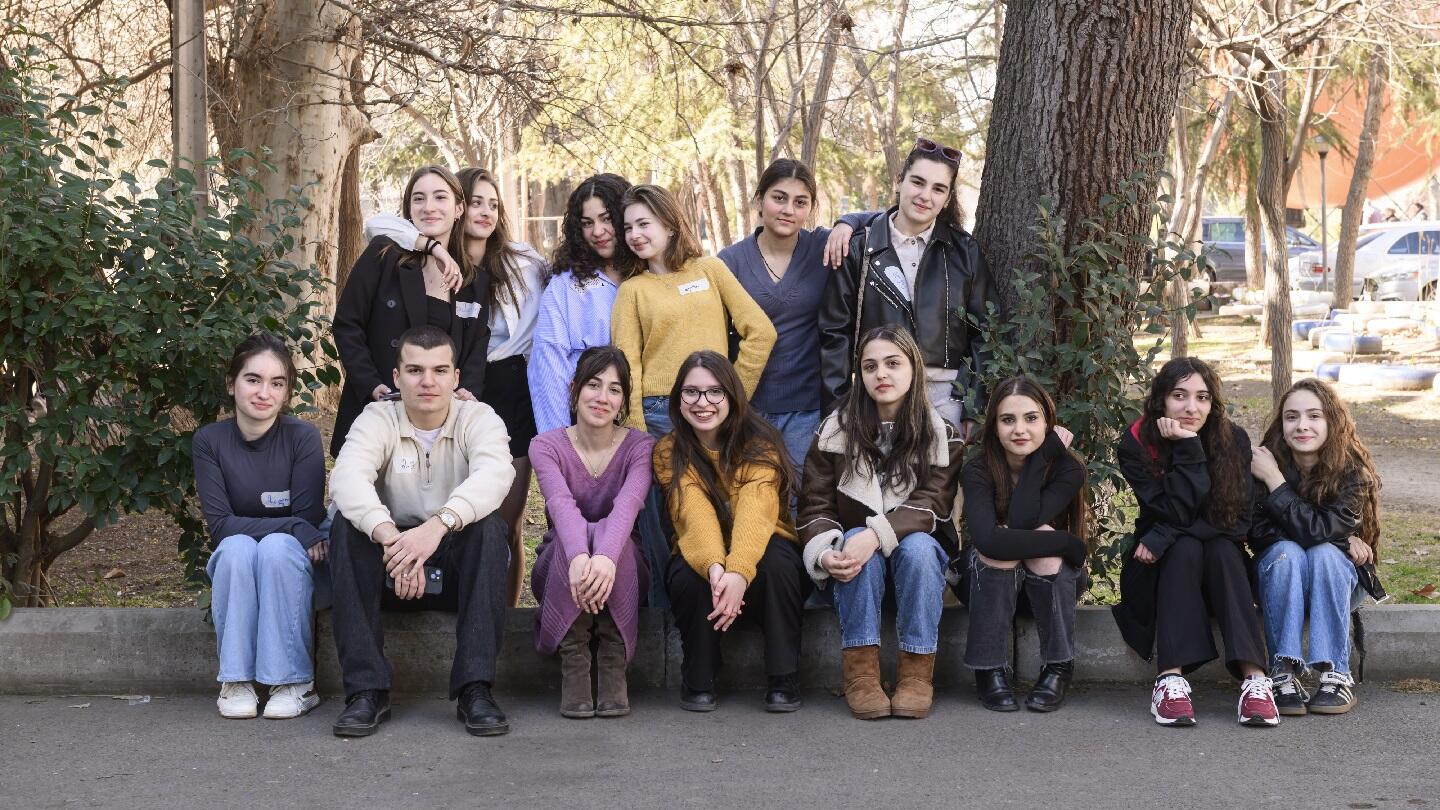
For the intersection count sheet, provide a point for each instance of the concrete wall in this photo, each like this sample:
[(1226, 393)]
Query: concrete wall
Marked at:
[(121, 651)]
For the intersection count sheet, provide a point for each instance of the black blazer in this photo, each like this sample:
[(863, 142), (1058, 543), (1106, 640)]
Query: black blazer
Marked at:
[(382, 298)]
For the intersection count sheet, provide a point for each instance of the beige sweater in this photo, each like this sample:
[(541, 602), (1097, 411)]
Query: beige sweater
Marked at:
[(384, 475)]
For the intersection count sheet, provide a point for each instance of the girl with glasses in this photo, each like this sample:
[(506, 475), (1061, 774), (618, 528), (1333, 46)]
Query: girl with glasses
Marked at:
[(727, 485)]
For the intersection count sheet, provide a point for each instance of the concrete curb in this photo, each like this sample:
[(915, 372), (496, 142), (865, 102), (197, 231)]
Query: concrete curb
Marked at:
[(165, 650)]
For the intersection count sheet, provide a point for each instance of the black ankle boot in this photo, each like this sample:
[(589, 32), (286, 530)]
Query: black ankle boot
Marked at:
[(992, 686), (1049, 691)]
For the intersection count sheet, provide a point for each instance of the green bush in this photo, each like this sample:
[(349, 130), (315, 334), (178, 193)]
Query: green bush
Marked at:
[(120, 308), (1074, 330)]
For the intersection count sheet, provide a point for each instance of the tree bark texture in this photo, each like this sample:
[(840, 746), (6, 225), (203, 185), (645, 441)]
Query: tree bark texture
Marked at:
[(1254, 258), (1353, 212), (1084, 93), (286, 89), (1274, 182)]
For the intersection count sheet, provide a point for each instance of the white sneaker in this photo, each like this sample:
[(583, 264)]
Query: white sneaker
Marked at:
[(237, 700), (290, 700)]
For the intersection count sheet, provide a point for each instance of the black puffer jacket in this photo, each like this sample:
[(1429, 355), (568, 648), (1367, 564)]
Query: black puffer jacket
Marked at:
[(952, 283)]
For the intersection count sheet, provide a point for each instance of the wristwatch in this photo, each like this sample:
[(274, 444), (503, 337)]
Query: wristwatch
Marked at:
[(449, 518)]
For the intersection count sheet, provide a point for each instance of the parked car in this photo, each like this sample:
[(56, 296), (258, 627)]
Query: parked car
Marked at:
[(1224, 241), (1415, 283), (1409, 250)]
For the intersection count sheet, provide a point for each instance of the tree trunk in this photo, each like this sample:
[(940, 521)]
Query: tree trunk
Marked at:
[(1254, 260), (1273, 185), (1084, 91), (716, 201), (282, 95), (1353, 211)]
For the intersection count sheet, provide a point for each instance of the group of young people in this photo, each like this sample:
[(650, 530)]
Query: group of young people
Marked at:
[(730, 438)]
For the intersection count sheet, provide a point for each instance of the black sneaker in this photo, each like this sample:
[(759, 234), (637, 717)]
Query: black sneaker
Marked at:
[(697, 700), (1336, 694), (783, 694), (1290, 694), (479, 712), (364, 712)]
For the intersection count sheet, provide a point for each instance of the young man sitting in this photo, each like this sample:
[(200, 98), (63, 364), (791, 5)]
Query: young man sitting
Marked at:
[(418, 482)]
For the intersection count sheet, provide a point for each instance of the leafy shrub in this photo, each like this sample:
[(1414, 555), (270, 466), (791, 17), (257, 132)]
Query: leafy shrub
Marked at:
[(120, 308)]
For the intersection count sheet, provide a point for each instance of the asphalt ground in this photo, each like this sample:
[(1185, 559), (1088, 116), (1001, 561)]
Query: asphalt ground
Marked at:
[(1100, 751)]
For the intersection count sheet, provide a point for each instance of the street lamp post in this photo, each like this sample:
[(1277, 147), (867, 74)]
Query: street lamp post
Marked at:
[(1323, 147)]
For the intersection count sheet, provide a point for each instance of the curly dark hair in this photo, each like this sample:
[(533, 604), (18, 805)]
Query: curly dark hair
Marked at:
[(574, 253)]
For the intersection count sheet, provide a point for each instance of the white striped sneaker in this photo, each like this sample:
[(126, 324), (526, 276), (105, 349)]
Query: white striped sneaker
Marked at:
[(291, 700), (237, 700), (1336, 694)]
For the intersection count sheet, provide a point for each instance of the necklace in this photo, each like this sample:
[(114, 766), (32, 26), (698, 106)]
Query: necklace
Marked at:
[(774, 275), (602, 456)]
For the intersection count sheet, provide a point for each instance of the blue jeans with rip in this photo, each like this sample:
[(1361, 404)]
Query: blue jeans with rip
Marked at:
[(261, 601), (917, 568), (1320, 582)]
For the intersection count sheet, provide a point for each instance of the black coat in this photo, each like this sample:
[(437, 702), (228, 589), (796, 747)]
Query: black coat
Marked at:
[(952, 288), (382, 298), (1173, 503)]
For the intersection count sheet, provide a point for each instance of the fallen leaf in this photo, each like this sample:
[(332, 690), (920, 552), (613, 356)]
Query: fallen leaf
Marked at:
[(1429, 591), (113, 573)]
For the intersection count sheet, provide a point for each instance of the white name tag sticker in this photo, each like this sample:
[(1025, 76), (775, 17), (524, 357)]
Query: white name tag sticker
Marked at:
[(467, 309), (275, 500), (406, 465), (698, 285)]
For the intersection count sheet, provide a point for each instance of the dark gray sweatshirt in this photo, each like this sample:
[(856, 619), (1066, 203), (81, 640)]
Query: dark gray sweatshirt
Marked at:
[(275, 484)]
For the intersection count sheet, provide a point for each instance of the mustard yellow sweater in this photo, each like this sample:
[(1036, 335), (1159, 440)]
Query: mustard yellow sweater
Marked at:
[(658, 321), (754, 498)]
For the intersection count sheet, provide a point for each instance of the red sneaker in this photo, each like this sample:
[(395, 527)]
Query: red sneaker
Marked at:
[(1170, 702), (1257, 702)]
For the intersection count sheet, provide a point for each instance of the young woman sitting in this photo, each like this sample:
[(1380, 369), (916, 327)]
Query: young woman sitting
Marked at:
[(880, 481), (261, 480), (1025, 513), (589, 572), (1316, 526), (727, 483)]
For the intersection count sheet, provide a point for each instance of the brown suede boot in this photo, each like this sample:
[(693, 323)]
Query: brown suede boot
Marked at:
[(612, 696), (862, 683), (914, 685), (575, 699)]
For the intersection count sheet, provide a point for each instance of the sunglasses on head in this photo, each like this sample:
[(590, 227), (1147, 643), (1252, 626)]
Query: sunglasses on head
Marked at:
[(950, 153)]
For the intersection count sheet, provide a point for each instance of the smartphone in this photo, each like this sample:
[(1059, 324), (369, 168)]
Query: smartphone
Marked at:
[(390, 397), (434, 580)]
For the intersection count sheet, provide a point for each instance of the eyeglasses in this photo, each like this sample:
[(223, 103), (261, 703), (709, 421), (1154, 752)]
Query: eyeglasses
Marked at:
[(950, 153), (691, 396)]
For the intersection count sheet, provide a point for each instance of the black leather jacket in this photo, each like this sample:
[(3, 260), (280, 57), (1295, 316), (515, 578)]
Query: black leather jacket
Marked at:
[(1284, 515), (951, 283)]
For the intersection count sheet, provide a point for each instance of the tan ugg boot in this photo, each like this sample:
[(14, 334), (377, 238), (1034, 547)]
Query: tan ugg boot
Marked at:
[(862, 683), (914, 685)]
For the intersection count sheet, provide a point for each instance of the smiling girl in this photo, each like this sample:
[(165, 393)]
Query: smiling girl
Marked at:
[(1025, 513), (1318, 524), (727, 485), (880, 482), (589, 572), (260, 476), (1189, 468)]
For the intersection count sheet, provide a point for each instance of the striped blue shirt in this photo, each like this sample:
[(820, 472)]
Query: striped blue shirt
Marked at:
[(571, 320)]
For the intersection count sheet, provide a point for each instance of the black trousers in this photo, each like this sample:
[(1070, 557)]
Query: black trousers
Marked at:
[(474, 561), (774, 600), (1197, 579)]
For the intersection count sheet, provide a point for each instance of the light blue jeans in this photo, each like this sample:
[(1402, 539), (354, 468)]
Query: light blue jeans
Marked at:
[(1320, 582), (797, 428), (657, 415), (261, 596), (917, 567)]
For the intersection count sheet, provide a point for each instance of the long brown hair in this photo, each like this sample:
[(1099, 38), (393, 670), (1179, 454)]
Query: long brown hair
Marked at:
[(908, 461), (574, 253), (501, 261), (1229, 472), (455, 245), (1074, 518), (1341, 456), (745, 439), (684, 244)]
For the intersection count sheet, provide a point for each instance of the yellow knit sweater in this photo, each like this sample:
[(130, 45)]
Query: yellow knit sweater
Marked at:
[(754, 499), (658, 321)]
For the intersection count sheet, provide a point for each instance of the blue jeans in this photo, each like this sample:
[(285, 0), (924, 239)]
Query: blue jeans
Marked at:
[(653, 540), (917, 567), (1320, 581), (797, 428), (261, 596)]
